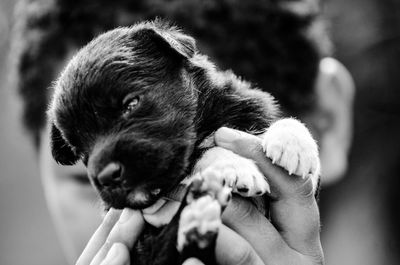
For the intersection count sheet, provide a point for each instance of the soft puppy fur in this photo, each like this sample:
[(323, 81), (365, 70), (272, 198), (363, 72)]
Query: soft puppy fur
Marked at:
[(138, 105), (181, 100)]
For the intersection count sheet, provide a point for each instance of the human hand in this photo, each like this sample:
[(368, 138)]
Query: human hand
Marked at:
[(246, 237), (293, 234), (111, 242)]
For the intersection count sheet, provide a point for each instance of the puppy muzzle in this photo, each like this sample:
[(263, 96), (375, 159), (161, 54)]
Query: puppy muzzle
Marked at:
[(136, 173)]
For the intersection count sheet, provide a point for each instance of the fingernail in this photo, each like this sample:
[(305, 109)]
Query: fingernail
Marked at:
[(226, 135), (268, 187), (113, 252), (126, 215), (111, 216)]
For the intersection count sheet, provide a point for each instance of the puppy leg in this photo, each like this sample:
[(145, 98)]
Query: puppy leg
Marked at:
[(238, 172), (193, 230), (289, 144), (201, 218)]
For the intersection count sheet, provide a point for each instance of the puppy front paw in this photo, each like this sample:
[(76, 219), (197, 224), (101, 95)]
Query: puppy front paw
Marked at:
[(201, 218), (240, 173), (289, 144)]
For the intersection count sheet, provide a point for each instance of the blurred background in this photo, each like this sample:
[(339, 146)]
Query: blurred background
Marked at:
[(360, 212), (24, 218)]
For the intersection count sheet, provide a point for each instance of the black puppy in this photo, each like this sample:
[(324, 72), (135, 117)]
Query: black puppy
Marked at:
[(139, 106)]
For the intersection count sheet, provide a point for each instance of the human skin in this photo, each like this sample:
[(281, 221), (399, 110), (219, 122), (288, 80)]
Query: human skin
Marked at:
[(246, 236)]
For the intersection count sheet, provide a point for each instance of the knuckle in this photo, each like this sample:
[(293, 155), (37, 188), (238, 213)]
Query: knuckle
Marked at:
[(245, 254), (317, 259), (305, 189), (320, 261), (249, 147), (241, 209)]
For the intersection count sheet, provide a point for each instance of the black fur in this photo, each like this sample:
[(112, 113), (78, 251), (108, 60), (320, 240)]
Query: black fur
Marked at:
[(182, 101), (268, 42)]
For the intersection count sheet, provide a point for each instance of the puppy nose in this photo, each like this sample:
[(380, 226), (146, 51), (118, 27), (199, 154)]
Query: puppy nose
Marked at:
[(110, 174)]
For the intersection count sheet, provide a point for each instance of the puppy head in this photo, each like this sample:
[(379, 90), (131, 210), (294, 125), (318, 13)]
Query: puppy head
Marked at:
[(125, 106)]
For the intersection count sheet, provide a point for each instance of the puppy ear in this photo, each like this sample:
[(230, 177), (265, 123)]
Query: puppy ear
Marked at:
[(179, 42), (60, 149), (175, 40)]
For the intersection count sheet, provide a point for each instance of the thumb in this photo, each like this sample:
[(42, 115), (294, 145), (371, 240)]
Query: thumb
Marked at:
[(250, 146), (293, 207)]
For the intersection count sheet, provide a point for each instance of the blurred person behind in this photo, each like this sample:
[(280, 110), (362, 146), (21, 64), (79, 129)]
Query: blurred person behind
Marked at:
[(360, 215), (261, 41)]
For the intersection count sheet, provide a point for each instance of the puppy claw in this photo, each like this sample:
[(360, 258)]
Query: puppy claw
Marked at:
[(155, 192), (209, 183), (229, 177), (290, 145), (199, 223), (201, 218), (275, 153), (241, 174)]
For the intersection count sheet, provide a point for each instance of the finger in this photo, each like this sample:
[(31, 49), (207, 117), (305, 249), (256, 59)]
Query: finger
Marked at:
[(243, 217), (126, 231), (293, 208), (232, 249), (99, 237), (118, 255), (249, 146)]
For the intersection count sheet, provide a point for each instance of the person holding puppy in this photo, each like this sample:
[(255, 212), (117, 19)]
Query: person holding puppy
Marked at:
[(247, 236), (52, 31)]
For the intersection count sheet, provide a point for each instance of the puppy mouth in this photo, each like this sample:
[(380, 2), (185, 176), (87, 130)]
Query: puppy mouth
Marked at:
[(155, 207), (141, 199), (134, 198)]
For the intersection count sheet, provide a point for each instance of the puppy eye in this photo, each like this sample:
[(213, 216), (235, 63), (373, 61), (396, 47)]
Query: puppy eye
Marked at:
[(130, 103)]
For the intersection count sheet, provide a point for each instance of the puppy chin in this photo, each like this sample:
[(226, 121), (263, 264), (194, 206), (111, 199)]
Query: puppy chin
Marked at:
[(140, 199), (137, 199)]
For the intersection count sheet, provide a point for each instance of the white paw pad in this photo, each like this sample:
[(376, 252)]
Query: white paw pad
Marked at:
[(211, 184), (289, 144), (199, 223), (239, 173)]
